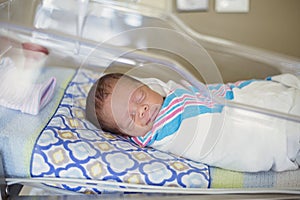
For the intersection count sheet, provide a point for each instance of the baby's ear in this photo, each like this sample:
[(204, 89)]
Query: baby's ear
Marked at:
[(105, 95)]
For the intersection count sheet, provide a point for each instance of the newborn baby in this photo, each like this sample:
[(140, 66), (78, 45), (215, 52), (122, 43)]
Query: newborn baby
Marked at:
[(183, 121)]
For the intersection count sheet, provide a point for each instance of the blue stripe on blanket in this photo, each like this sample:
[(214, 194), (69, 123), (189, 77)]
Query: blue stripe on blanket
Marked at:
[(188, 107), (189, 103)]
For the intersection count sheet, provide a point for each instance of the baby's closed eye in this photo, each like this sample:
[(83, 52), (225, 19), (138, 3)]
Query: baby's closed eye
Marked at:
[(138, 96)]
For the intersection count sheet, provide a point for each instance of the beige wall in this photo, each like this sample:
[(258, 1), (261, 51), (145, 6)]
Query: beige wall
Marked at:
[(270, 24)]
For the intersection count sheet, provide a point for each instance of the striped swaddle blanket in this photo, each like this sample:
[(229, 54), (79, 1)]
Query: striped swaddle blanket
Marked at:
[(181, 104)]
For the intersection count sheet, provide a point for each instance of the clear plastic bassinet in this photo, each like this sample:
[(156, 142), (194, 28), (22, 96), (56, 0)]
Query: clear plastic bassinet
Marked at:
[(145, 43)]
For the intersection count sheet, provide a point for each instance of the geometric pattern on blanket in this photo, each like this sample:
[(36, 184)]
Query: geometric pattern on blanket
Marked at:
[(71, 147)]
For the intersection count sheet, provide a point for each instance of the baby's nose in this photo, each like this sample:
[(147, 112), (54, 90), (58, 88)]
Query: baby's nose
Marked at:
[(143, 109)]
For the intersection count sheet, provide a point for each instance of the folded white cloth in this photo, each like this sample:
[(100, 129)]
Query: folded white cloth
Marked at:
[(18, 92)]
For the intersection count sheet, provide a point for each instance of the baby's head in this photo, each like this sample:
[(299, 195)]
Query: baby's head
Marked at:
[(123, 105)]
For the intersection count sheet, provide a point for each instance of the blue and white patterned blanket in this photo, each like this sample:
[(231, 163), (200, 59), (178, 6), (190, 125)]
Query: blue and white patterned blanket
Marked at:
[(71, 147)]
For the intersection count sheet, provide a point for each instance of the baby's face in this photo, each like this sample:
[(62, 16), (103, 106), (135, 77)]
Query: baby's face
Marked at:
[(134, 107)]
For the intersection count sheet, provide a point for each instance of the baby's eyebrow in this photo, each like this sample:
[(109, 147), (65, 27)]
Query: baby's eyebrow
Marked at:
[(132, 95)]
